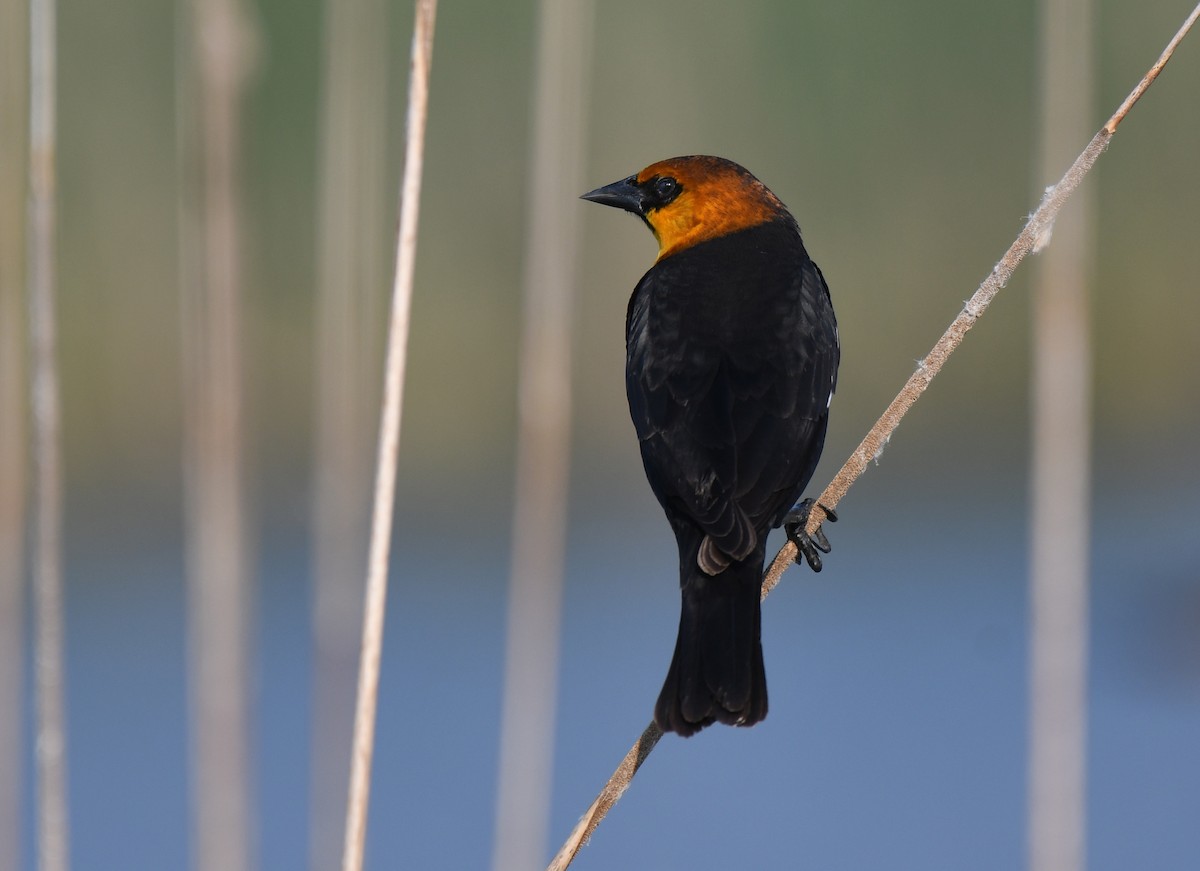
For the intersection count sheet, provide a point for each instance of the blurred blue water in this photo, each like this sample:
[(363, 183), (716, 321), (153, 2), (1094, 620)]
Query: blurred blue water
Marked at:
[(898, 705)]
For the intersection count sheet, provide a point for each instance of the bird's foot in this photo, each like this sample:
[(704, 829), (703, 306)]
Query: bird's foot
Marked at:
[(808, 547)]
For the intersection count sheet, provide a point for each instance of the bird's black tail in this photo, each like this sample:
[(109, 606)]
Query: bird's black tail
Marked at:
[(717, 673)]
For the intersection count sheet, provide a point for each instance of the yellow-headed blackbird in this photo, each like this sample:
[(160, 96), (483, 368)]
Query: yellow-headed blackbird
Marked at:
[(731, 362)]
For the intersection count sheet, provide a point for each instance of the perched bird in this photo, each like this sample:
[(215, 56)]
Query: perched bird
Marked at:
[(731, 361)]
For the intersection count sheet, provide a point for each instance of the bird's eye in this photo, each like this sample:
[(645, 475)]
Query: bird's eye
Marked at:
[(666, 188)]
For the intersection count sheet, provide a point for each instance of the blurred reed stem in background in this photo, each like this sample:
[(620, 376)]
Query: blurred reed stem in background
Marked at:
[(1060, 475), (46, 403), (214, 56), (375, 605), (543, 437), (14, 141), (351, 227)]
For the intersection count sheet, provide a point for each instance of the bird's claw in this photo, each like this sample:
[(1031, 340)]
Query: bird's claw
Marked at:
[(808, 547)]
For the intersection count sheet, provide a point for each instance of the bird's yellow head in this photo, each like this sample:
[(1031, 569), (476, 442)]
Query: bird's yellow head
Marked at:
[(686, 200)]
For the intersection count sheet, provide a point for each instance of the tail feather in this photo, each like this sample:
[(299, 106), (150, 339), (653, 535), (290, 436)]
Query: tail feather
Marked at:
[(717, 672)]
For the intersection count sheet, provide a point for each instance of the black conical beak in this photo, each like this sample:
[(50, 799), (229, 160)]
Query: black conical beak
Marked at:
[(624, 194)]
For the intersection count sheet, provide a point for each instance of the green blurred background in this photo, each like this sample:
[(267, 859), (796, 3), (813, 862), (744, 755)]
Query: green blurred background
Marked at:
[(902, 137)]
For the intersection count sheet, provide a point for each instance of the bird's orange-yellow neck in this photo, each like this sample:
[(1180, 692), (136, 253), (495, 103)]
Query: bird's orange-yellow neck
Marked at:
[(715, 200)]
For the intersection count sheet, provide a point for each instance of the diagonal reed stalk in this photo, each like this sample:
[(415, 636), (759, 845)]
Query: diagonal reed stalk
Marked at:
[(49, 682), (1032, 238), (389, 440)]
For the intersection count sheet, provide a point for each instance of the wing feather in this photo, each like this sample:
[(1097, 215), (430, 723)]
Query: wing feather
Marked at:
[(729, 377)]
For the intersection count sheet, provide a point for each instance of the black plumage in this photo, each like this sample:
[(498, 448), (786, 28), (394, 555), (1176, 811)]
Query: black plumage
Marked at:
[(732, 355)]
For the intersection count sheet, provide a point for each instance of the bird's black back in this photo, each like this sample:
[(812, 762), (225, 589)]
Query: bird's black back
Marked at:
[(732, 356)]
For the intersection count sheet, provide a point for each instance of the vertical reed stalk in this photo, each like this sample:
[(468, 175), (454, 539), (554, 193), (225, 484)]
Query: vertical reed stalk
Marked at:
[(49, 680), (216, 39), (389, 441), (1060, 483), (14, 142), (543, 439), (350, 255)]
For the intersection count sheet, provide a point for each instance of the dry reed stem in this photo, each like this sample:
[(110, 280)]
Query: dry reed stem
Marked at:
[(544, 439), (219, 50), (389, 441), (1060, 467), (1147, 80), (1032, 238), (53, 827), (351, 231), (14, 415), (613, 790)]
